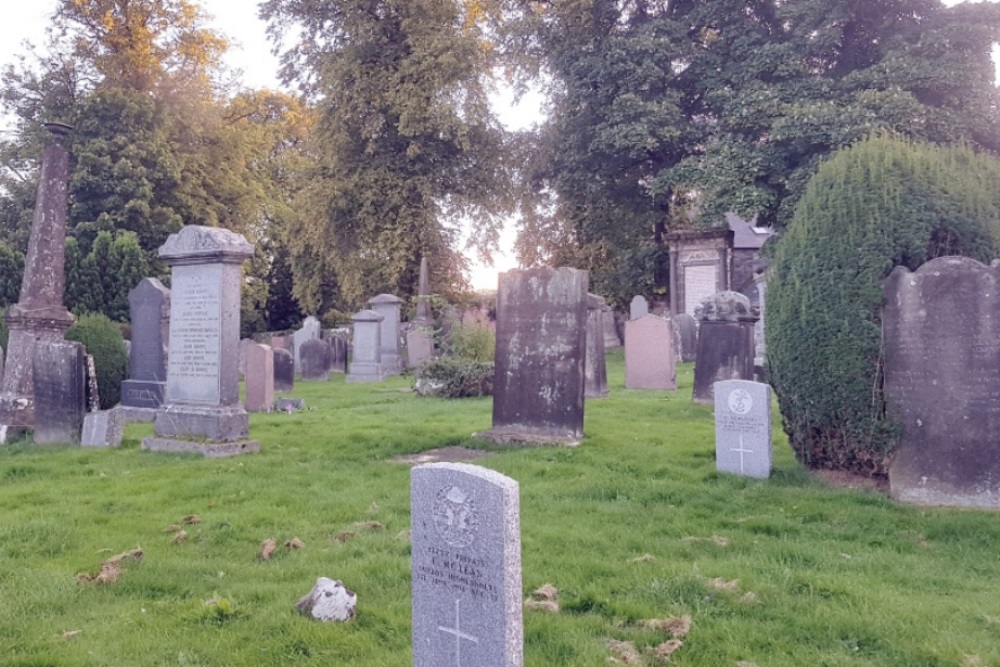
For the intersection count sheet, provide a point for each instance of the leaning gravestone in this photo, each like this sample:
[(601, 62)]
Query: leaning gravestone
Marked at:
[(466, 559), (941, 335), (743, 428), (104, 428), (315, 359), (60, 373), (388, 306), (366, 365), (595, 368), (149, 309), (725, 343), (259, 378), (311, 329), (202, 412), (687, 331), (638, 308), (650, 361), (284, 370), (541, 343)]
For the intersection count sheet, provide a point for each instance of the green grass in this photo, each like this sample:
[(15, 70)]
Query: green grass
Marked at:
[(632, 525)]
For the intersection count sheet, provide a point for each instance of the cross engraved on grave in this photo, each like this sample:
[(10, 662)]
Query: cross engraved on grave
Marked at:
[(742, 451), (459, 635), (743, 419)]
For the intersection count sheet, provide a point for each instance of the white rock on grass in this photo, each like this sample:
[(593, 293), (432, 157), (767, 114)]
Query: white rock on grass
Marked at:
[(329, 600)]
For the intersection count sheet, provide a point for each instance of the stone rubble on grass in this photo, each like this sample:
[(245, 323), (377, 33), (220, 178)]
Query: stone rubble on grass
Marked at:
[(329, 600)]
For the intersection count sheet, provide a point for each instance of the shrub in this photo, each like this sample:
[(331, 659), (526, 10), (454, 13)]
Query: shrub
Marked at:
[(472, 343), (453, 377), (880, 203), (103, 340)]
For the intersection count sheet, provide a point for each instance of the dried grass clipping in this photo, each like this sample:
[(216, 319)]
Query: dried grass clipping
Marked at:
[(673, 626), (111, 568), (267, 549), (545, 598), (623, 653)]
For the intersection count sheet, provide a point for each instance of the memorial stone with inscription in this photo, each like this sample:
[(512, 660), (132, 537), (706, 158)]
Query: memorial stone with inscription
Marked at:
[(941, 336), (743, 428), (595, 367), (638, 308), (366, 364), (725, 343), (60, 373), (466, 559), (284, 370), (541, 339), (149, 309), (202, 412), (389, 307)]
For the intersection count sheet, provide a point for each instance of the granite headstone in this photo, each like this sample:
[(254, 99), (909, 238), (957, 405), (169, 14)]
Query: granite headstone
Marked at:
[(595, 368), (60, 384), (366, 364), (149, 309), (311, 329), (466, 561), (315, 357), (104, 428), (743, 428), (284, 370), (725, 343), (259, 378), (338, 353), (650, 361), (687, 330), (389, 307), (611, 337), (639, 307)]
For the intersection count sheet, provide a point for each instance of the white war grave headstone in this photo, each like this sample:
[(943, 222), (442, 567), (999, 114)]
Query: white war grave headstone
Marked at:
[(743, 428)]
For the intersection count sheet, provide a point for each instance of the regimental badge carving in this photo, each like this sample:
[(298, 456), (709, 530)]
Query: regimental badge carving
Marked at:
[(740, 401), (456, 518)]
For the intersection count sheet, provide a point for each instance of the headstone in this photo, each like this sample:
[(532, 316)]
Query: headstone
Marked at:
[(338, 354), (419, 347), (366, 364), (638, 308), (149, 308), (259, 377), (649, 354), (541, 343), (743, 428), (60, 381), (284, 370), (725, 343), (595, 367), (687, 329), (310, 330), (104, 428), (941, 337), (466, 558), (202, 412), (611, 338), (39, 315), (245, 344), (315, 359), (388, 306)]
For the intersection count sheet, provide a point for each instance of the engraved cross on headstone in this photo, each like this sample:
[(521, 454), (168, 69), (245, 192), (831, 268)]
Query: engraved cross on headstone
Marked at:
[(459, 635), (742, 451)]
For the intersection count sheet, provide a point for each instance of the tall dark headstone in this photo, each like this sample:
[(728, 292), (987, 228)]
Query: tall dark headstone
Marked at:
[(39, 315), (202, 412), (315, 357), (60, 385), (540, 353), (284, 370), (149, 308), (338, 354), (725, 343), (941, 334), (595, 368), (687, 333)]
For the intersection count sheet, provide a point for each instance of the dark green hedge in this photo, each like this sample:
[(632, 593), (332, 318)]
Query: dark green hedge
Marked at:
[(452, 377), (103, 340), (880, 203)]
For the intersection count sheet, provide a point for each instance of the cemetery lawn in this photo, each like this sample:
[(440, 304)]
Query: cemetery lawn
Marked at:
[(633, 525)]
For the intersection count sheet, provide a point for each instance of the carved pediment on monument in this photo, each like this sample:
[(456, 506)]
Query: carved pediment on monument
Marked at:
[(197, 241)]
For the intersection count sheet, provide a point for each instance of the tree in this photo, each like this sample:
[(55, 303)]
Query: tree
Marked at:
[(405, 143)]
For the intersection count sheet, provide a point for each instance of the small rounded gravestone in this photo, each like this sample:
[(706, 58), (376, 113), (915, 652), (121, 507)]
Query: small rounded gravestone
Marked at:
[(329, 600)]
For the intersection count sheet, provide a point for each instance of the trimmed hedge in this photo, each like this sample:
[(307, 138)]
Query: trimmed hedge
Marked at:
[(452, 377), (103, 339), (880, 203)]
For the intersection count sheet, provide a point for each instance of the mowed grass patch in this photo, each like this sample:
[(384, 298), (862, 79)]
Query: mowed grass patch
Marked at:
[(632, 525)]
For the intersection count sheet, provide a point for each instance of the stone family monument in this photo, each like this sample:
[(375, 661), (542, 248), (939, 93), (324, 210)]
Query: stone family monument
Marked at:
[(540, 350), (743, 428), (650, 356), (39, 315), (202, 412), (725, 343), (941, 333), (466, 558), (366, 363), (388, 306), (149, 308)]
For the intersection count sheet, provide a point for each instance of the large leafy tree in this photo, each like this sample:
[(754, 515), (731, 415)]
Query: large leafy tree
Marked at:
[(405, 143)]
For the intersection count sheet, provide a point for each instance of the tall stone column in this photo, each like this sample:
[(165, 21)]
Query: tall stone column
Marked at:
[(39, 315)]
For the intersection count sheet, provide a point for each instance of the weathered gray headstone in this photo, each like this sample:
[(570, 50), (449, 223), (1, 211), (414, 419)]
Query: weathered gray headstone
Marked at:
[(366, 364), (687, 329), (311, 329), (202, 412), (389, 307), (338, 354), (284, 370), (149, 309), (611, 338), (39, 314), (941, 336), (245, 344), (638, 308), (725, 343), (595, 368), (259, 377), (60, 374), (419, 346), (315, 357), (649, 354), (743, 428), (541, 344), (104, 428), (466, 556)]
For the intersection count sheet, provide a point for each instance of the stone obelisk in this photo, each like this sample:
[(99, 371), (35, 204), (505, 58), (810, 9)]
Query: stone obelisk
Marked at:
[(39, 315)]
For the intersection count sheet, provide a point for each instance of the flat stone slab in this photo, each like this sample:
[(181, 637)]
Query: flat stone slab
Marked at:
[(133, 414), (521, 439), (442, 454), (211, 450)]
